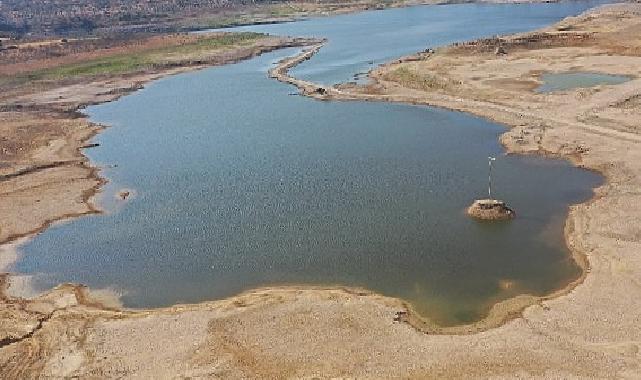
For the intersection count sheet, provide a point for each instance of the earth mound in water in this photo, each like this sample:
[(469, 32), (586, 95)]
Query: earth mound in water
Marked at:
[(490, 209)]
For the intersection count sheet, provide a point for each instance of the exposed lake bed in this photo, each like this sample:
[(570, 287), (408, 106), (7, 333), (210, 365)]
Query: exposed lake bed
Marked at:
[(280, 312)]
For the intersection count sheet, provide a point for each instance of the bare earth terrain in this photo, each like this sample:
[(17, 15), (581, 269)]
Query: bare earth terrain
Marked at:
[(590, 330)]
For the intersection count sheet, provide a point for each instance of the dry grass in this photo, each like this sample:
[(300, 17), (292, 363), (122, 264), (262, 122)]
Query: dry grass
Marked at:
[(411, 79)]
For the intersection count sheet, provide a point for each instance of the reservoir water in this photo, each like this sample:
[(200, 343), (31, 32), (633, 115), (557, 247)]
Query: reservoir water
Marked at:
[(239, 185)]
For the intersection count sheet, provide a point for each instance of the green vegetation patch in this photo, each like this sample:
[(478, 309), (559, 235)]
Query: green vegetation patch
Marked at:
[(126, 63)]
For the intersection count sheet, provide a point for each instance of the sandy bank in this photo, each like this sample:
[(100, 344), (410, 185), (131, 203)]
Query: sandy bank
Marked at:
[(592, 331)]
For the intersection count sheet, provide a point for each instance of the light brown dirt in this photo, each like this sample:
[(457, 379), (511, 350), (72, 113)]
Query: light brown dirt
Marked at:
[(590, 331)]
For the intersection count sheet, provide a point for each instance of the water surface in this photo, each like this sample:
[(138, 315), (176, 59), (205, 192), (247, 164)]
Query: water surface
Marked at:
[(238, 185), (357, 42), (571, 80)]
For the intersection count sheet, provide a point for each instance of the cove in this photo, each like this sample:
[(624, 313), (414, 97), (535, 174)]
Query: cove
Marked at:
[(238, 185)]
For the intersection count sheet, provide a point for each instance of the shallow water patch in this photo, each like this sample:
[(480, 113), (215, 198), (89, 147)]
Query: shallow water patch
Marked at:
[(553, 82)]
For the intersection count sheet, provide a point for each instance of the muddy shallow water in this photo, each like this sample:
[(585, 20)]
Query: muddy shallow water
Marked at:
[(238, 184), (553, 82)]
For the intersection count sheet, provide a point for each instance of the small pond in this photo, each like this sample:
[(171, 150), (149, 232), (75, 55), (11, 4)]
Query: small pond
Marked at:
[(553, 82)]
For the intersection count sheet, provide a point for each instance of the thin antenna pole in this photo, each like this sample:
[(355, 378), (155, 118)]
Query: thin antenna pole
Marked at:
[(489, 177)]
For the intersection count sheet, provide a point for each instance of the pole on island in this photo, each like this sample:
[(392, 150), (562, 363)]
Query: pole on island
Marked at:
[(490, 209), (489, 176)]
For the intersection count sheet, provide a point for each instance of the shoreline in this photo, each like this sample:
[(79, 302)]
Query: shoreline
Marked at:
[(500, 312), (130, 84), (509, 309), (513, 331)]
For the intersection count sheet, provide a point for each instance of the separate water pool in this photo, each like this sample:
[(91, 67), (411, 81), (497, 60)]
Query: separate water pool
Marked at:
[(553, 82)]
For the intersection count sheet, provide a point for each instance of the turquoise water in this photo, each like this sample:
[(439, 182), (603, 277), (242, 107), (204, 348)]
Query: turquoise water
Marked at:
[(568, 81), (239, 185)]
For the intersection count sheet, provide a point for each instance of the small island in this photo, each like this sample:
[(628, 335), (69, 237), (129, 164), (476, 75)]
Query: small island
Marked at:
[(490, 209)]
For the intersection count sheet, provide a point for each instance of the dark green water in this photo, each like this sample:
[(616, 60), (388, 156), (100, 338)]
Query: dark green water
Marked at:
[(568, 81), (240, 185)]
